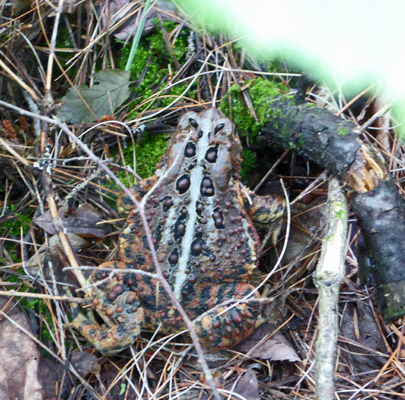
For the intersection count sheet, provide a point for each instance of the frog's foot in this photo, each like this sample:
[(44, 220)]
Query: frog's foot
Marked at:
[(125, 309), (226, 327)]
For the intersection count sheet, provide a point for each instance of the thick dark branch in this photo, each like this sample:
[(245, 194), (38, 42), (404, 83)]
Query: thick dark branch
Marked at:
[(381, 214), (332, 143), (312, 132)]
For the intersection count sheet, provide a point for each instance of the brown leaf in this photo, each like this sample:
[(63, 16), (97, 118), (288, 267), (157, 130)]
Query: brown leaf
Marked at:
[(19, 358), (50, 375), (303, 230), (52, 253), (24, 374), (85, 363), (246, 387), (121, 8), (85, 221), (265, 344), (359, 326)]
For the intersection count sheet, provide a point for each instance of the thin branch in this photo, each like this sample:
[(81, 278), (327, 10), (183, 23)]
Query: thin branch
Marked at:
[(19, 81), (14, 293), (273, 167), (377, 115), (328, 277), (13, 152), (52, 46)]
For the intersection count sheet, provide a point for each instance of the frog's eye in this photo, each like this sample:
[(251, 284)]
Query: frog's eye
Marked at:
[(218, 128), (193, 122)]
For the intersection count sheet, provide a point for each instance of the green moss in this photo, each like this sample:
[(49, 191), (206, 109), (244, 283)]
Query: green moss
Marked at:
[(64, 41), (42, 309), (19, 220), (240, 116), (261, 91), (248, 164), (341, 214), (148, 154), (342, 131), (299, 144), (13, 227), (150, 69), (309, 105)]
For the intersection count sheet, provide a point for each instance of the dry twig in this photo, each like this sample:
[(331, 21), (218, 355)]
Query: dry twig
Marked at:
[(328, 278)]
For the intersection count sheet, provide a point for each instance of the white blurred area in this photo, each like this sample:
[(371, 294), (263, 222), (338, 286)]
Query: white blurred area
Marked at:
[(356, 41)]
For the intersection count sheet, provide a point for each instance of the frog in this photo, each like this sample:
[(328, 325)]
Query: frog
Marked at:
[(203, 228)]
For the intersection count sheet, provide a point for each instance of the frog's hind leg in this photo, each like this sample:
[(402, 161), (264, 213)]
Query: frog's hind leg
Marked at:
[(227, 326), (114, 302)]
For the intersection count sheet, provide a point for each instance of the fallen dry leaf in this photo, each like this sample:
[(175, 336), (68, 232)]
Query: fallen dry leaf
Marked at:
[(85, 363), (52, 253), (84, 221), (247, 387), (274, 348), (49, 374), (19, 358), (109, 91), (359, 326)]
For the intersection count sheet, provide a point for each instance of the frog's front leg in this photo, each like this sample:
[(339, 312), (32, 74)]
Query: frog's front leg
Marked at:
[(125, 204), (114, 302), (264, 211)]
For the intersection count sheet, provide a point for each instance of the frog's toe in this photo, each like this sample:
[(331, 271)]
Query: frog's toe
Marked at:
[(220, 329), (113, 339), (124, 308)]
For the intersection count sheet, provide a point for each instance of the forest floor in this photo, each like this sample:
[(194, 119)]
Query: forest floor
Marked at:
[(76, 102)]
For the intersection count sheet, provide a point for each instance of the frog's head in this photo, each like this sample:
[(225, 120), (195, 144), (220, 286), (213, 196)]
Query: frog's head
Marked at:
[(209, 126), (211, 139)]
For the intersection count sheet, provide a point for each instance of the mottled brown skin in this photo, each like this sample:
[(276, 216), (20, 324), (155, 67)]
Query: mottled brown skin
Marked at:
[(200, 217)]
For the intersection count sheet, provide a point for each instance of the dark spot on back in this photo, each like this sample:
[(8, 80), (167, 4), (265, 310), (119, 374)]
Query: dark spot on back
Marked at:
[(183, 184), (207, 187), (190, 150), (193, 122), (218, 217), (167, 203), (212, 154), (174, 257)]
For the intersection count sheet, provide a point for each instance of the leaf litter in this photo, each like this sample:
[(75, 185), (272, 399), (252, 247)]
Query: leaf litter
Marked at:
[(371, 357)]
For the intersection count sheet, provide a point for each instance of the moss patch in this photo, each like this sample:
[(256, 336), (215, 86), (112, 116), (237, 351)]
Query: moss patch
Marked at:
[(342, 131), (12, 228), (249, 163), (152, 65), (148, 154), (261, 91)]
